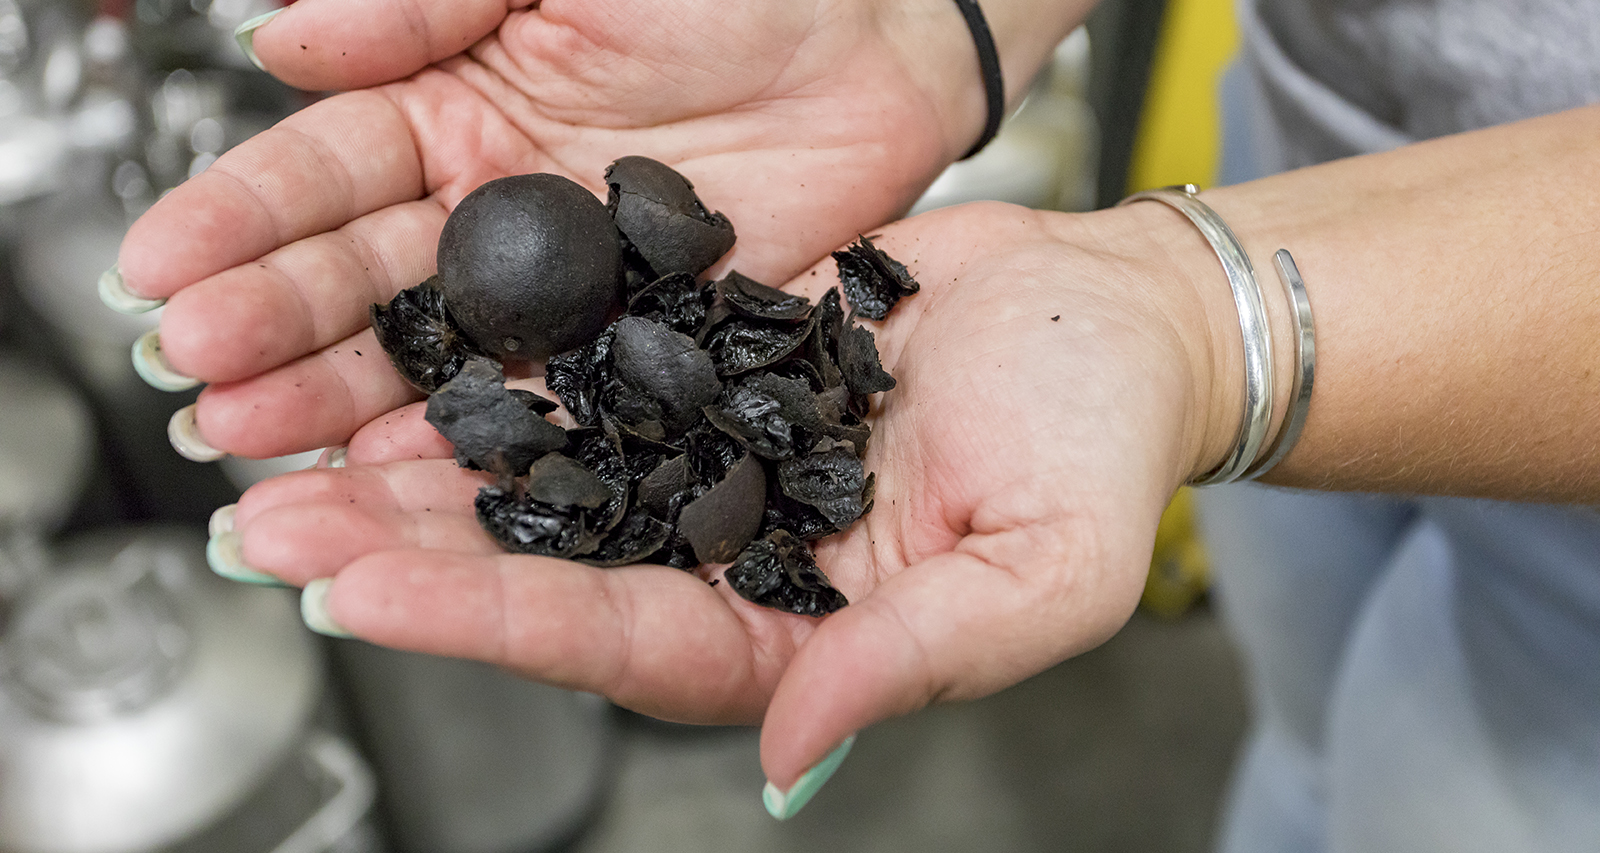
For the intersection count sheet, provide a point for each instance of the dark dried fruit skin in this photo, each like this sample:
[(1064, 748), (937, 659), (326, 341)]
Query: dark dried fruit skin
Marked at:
[(421, 338), (656, 209), (858, 361), (778, 571), (709, 414), (758, 301), (676, 301), (721, 522), (873, 281), (578, 377), (530, 265), (492, 428), (663, 375), (523, 526), (741, 345), (832, 481), (772, 415)]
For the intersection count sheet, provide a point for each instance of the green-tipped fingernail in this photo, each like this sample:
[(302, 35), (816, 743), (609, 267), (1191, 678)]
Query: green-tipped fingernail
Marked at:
[(786, 804), (152, 366), (222, 554), (116, 296), (183, 433), (245, 35), (221, 520), (314, 610)]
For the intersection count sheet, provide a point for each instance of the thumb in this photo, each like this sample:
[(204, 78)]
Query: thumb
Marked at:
[(955, 626), (352, 44)]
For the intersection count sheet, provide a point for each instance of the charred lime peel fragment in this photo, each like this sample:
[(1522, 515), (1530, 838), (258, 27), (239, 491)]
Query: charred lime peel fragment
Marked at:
[(718, 422), (873, 281), (667, 229), (423, 341)]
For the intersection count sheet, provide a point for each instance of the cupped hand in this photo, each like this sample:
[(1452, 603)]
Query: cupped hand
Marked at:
[(1054, 377), (806, 121)]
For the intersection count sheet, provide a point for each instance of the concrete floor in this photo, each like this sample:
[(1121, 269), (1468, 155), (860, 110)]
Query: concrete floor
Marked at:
[(1126, 748)]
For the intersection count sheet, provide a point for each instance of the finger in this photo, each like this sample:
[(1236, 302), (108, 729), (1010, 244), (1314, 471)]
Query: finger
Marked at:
[(316, 170), (957, 626), (430, 486), (302, 542), (398, 435), (324, 45), (316, 401), (651, 638), (300, 298)]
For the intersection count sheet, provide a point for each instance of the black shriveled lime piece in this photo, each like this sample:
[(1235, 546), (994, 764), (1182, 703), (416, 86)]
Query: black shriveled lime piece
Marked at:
[(830, 479), (663, 491), (873, 281), (422, 340), (663, 376), (676, 301), (634, 539), (754, 299), (778, 571), (741, 345), (858, 361), (492, 428), (658, 212), (772, 415), (562, 481), (579, 377), (530, 265), (526, 526), (719, 523)]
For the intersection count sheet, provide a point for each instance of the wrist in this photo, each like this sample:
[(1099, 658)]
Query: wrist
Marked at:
[(1206, 316), (934, 44)]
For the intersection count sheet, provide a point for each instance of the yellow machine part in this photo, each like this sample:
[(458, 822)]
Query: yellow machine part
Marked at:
[(1179, 141)]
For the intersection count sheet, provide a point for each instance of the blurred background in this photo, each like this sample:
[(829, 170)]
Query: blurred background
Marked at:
[(146, 705)]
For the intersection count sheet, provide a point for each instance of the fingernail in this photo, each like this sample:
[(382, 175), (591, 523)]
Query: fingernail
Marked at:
[(245, 35), (222, 554), (786, 804), (184, 435), (221, 520), (314, 610), (334, 456), (152, 366), (114, 293)]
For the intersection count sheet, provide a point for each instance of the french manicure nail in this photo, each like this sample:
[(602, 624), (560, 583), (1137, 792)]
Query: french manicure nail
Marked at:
[(116, 296), (184, 435), (152, 366), (245, 35), (223, 555), (786, 804), (221, 520), (314, 609), (336, 456)]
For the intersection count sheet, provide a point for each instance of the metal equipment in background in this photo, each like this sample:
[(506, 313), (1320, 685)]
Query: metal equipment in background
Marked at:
[(147, 706)]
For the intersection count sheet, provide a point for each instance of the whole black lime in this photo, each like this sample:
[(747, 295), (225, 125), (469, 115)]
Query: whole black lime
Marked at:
[(530, 265)]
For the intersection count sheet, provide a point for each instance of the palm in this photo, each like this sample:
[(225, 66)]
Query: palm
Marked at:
[(1016, 501), (272, 256)]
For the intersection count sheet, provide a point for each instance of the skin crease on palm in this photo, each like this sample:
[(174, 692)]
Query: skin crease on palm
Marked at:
[(271, 257)]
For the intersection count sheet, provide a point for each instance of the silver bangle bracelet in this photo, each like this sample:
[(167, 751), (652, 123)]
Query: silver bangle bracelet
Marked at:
[(1247, 298), (1305, 359)]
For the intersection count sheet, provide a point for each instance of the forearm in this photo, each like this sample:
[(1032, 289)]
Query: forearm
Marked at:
[(1455, 288)]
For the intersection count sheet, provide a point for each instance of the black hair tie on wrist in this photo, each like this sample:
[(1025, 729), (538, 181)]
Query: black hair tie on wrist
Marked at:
[(994, 86)]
